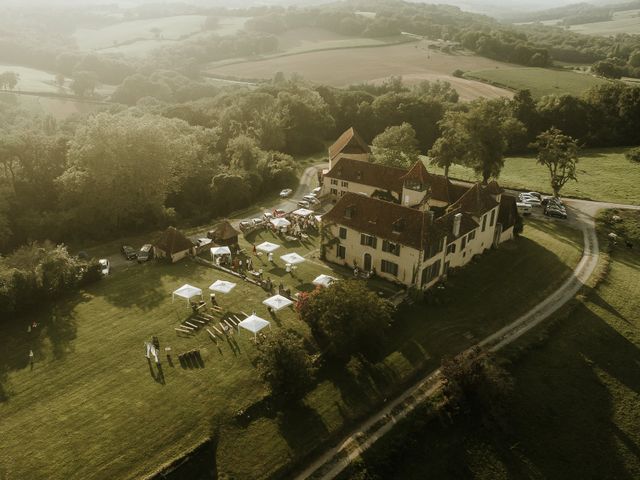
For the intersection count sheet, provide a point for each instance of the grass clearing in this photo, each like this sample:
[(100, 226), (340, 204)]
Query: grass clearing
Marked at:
[(575, 409), (58, 107), (540, 81), (341, 67), (91, 403), (603, 174)]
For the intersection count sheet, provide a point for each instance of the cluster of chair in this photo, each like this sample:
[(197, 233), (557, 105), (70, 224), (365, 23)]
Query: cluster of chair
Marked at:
[(197, 321), (191, 359)]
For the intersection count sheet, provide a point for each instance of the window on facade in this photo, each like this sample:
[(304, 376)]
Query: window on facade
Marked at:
[(343, 233), (484, 222), (431, 272), (389, 267), (390, 247), (472, 235), (342, 192), (334, 181), (463, 243), (493, 218), (349, 211), (334, 191), (451, 248), (342, 252), (345, 184), (368, 240), (433, 248)]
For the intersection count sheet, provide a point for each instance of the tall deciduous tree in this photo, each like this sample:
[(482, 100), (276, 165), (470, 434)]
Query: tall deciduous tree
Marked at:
[(346, 317), (449, 148), (482, 133), (397, 146), (559, 153), (121, 168)]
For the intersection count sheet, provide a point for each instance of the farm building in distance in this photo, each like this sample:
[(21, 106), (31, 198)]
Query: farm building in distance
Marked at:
[(409, 226)]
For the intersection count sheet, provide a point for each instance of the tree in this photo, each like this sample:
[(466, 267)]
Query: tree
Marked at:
[(397, 146), (285, 365), (482, 133), (346, 317), (449, 148), (83, 83), (474, 381), (122, 167), (559, 153), (8, 80), (243, 153)]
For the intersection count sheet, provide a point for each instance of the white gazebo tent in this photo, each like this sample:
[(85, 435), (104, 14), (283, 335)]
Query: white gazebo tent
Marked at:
[(268, 247), (215, 251), (318, 218), (302, 212), (280, 222), (292, 258), (324, 280), (187, 291), (222, 286), (277, 302), (254, 324)]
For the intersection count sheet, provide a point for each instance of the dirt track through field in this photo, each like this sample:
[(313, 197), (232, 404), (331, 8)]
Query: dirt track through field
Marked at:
[(413, 61)]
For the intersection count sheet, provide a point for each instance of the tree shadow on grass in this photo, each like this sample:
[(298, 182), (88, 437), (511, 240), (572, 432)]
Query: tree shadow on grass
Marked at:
[(301, 427), (54, 334)]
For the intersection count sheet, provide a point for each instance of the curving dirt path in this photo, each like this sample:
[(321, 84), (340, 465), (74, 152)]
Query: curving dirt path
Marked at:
[(336, 459)]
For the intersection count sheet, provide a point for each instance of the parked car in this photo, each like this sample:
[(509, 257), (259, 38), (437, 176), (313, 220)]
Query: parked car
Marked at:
[(245, 225), (534, 194), (257, 221), (304, 204), (145, 253), (267, 216), (533, 201), (311, 199), (552, 201), (105, 266), (129, 252), (279, 213), (523, 208), (316, 191), (286, 193), (553, 211)]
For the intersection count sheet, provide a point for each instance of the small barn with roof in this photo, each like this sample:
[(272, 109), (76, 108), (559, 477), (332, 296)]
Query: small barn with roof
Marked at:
[(173, 245), (224, 234)]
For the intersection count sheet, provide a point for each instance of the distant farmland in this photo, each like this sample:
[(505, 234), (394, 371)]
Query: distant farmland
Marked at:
[(622, 22), (539, 81), (340, 67)]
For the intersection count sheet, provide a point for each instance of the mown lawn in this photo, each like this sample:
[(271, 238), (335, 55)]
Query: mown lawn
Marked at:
[(92, 405), (540, 81), (603, 174), (575, 409)]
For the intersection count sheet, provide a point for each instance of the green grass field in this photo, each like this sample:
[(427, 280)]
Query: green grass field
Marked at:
[(627, 21), (603, 174), (91, 406), (540, 81), (575, 409)]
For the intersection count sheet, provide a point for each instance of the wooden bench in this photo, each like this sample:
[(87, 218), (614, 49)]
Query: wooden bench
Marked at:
[(182, 330), (213, 336), (195, 327), (216, 329)]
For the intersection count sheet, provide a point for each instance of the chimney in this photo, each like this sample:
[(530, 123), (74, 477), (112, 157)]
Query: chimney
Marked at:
[(457, 220), (430, 217)]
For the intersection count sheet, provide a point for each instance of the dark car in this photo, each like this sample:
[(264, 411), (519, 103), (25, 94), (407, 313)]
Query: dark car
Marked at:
[(129, 252), (551, 211), (145, 253)]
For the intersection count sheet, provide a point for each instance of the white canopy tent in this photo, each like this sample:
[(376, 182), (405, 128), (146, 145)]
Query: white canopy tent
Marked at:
[(302, 212), (292, 258), (220, 251), (280, 222), (254, 324), (187, 291), (268, 247), (324, 280), (277, 302), (318, 218), (222, 286)]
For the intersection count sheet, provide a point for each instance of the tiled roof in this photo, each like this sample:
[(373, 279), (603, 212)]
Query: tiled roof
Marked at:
[(493, 188), (508, 212), (349, 142), (475, 201), (445, 223), (386, 220), (224, 231), (173, 240), (366, 173)]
